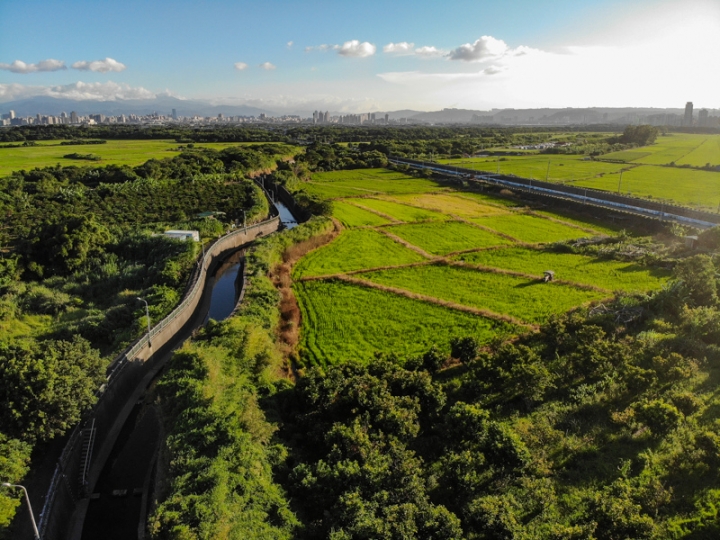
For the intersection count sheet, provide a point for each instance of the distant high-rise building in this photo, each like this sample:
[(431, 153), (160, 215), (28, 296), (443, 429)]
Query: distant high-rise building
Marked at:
[(73, 117), (387, 118), (174, 114), (12, 115), (703, 118), (688, 120)]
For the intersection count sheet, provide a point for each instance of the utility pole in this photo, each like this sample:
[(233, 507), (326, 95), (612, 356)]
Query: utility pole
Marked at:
[(620, 181), (547, 174), (27, 499)]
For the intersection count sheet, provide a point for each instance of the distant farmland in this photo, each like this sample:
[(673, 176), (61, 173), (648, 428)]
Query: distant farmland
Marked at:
[(659, 171), (113, 152)]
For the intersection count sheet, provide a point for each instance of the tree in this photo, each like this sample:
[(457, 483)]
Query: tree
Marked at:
[(46, 386), (697, 278)]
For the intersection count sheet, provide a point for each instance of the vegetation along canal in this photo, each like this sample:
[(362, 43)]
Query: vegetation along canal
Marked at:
[(118, 508)]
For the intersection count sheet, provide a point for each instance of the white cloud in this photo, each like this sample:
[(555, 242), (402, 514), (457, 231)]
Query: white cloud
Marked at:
[(100, 66), (290, 44), (355, 49), (484, 48), (240, 66), (401, 48), (18, 66), (267, 66), (429, 52), (107, 91)]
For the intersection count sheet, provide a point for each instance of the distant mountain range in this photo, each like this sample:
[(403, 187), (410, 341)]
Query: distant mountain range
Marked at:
[(184, 107), (161, 104)]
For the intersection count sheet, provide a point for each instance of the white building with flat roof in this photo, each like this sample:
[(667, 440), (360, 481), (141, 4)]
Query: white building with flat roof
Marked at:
[(183, 235)]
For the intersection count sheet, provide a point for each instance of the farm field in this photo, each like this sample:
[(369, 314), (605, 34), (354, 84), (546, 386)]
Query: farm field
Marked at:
[(366, 291), (681, 148), (531, 229), (446, 237), (562, 168), (453, 204), (355, 250), (687, 187), (400, 212), (358, 182), (352, 216), (336, 329), (529, 300), (114, 152), (607, 274)]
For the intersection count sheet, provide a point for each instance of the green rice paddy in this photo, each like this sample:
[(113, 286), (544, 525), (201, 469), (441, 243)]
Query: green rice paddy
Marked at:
[(446, 237), (526, 299), (342, 321), (395, 305), (352, 216), (355, 249), (531, 229), (607, 274)]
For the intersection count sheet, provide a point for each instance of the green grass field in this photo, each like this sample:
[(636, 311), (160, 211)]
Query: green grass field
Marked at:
[(683, 186), (608, 274), (401, 212), (357, 182), (342, 321), (588, 222), (525, 299), (681, 148), (114, 152), (446, 237), (352, 216), (354, 249), (562, 168), (531, 229)]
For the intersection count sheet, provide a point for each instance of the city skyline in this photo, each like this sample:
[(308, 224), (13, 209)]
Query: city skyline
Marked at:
[(287, 56)]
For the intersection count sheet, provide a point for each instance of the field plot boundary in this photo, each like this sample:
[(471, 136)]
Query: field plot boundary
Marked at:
[(437, 301), (407, 244), (373, 211)]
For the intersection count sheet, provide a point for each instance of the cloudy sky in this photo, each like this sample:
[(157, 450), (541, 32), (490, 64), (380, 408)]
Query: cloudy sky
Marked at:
[(365, 56)]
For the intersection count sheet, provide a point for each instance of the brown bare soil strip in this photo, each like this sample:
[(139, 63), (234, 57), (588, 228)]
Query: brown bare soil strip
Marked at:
[(289, 327), (373, 211), (432, 300)]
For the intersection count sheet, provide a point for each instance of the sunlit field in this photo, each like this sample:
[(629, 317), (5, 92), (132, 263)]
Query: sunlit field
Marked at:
[(449, 257), (113, 152)]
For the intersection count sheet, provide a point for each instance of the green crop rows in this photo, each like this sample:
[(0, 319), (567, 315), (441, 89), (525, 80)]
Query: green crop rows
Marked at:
[(342, 321), (396, 305), (604, 273), (526, 299)]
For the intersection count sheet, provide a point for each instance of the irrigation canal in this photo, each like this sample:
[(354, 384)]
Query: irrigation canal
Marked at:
[(120, 502)]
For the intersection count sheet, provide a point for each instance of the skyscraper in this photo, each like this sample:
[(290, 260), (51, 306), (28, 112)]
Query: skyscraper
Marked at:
[(174, 114), (688, 120), (703, 118)]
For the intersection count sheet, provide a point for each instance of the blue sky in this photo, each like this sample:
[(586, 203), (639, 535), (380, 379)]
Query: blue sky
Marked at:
[(371, 55)]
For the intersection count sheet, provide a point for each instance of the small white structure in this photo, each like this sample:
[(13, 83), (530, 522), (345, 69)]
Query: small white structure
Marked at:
[(183, 235)]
